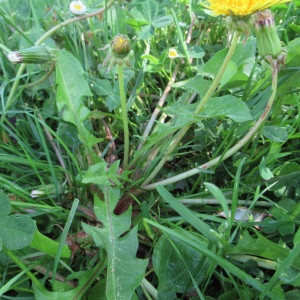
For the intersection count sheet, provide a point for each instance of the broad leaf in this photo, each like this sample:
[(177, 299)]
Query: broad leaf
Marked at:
[(283, 212), (239, 79), (71, 88), (196, 52), (275, 133), (213, 257), (196, 84), (16, 231), (293, 59), (243, 52), (149, 13), (175, 264), (102, 87), (162, 21), (229, 73), (137, 25), (148, 8), (124, 271), (98, 174), (264, 170), (227, 106), (289, 175), (182, 113), (46, 245), (113, 101)]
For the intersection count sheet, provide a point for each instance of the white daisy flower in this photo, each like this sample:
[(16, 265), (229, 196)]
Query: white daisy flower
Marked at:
[(77, 8), (172, 53)]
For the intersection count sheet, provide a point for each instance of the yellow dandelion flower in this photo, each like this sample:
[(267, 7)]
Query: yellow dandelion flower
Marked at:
[(240, 8)]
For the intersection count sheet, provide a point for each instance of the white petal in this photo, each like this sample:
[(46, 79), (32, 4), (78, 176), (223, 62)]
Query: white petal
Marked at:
[(14, 57), (77, 8)]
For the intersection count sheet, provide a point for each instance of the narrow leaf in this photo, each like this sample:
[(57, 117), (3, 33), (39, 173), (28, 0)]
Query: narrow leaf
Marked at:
[(188, 215), (217, 193)]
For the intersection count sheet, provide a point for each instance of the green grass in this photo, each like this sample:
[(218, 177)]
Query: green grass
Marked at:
[(149, 178)]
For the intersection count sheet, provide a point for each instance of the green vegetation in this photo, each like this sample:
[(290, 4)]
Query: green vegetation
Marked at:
[(128, 172)]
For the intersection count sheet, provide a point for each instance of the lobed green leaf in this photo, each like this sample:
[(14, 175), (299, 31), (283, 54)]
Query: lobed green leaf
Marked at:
[(124, 271)]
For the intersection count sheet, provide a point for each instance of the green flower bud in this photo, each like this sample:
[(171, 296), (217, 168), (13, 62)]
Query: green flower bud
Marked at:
[(120, 46), (244, 25), (47, 190), (268, 42), (119, 51), (32, 55)]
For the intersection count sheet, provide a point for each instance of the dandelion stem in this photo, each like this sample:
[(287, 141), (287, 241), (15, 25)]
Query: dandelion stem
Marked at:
[(124, 115), (150, 288), (218, 77)]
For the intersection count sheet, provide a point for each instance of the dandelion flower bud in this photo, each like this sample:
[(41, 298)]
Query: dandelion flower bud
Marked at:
[(267, 39), (119, 51), (120, 46), (32, 55), (77, 8), (47, 190)]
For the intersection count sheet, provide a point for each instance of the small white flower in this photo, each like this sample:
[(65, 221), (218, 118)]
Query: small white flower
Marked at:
[(14, 57), (77, 8), (31, 55), (37, 193), (172, 53)]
